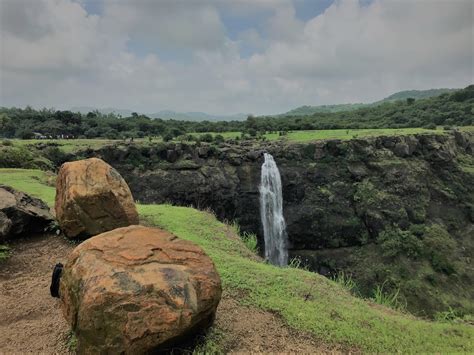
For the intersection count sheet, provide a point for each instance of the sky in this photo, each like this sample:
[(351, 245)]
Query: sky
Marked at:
[(229, 56)]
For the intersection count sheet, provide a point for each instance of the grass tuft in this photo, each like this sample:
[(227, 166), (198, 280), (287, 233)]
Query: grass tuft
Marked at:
[(388, 299), (4, 252), (346, 281)]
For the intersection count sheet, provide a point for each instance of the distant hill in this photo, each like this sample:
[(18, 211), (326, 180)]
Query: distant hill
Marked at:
[(308, 110), (416, 94), (165, 114), (402, 95)]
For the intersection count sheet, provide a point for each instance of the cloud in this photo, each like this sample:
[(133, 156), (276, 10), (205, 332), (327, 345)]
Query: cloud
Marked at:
[(170, 24), (154, 55)]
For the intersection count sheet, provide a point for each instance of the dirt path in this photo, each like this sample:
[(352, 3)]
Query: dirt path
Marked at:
[(31, 320)]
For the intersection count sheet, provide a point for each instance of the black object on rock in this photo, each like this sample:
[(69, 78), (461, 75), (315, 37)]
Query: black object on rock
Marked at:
[(57, 272)]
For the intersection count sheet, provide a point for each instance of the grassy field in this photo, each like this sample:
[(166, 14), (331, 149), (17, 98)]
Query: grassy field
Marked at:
[(73, 145), (315, 135), (67, 145), (305, 300)]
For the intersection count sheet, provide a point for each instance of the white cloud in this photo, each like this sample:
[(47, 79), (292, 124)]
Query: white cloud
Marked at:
[(61, 56)]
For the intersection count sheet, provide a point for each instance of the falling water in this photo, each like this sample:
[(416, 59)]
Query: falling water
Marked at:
[(271, 210)]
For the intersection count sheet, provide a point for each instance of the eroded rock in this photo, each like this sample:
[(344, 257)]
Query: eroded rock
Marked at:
[(135, 289), (91, 198), (21, 214)]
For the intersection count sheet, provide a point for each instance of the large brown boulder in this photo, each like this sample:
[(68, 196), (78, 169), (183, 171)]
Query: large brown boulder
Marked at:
[(92, 198), (21, 214), (136, 289)]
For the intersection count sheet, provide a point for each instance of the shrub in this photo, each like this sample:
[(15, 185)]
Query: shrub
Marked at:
[(16, 157), (394, 242), (207, 137), (219, 138), (439, 248)]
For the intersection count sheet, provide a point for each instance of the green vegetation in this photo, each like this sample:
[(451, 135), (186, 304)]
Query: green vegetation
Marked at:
[(4, 252), (417, 94), (346, 281), (71, 342), (309, 110), (388, 299), (33, 182), (305, 300), (402, 95), (250, 241), (448, 109)]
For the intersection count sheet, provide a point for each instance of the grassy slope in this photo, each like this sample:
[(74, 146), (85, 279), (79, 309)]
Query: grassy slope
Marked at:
[(305, 300)]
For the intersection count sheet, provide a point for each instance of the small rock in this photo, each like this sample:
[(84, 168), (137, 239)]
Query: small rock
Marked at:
[(21, 213)]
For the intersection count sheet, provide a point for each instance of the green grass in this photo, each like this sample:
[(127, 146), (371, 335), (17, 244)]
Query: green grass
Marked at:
[(307, 136), (314, 135), (67, 145), (30, 181), (305, 300)]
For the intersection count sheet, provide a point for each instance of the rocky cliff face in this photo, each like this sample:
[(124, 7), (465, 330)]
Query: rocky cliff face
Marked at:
[(393, 210)]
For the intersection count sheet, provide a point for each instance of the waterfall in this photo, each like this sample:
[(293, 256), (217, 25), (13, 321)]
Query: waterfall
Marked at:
[(271, 211)]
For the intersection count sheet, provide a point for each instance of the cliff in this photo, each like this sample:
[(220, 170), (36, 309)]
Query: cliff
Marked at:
[(391, 211)]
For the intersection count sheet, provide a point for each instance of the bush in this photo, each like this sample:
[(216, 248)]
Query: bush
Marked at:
[(207, 137), (16, 157), (394, 242), (439, 248), (219, 138)]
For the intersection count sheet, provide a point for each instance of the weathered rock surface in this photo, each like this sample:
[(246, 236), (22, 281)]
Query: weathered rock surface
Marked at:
[(21, 214), (134, 289), (92, 198)]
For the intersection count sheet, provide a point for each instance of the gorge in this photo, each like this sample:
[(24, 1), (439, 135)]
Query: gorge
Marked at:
[(394, 210)]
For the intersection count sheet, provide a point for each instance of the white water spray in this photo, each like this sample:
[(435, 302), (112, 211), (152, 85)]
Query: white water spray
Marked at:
[(271, 211)]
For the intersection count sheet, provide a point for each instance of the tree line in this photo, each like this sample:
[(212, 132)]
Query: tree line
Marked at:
[(448, 109)]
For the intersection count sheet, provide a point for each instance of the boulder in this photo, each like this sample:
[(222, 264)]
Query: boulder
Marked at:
[(92, 198), (21, 214), (137, 289)]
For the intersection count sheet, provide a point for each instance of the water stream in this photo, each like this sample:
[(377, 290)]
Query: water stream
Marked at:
[(271, 211)]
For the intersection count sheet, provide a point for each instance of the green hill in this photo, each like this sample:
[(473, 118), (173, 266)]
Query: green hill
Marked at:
[(401, 95), (416, 94), (306, 301)]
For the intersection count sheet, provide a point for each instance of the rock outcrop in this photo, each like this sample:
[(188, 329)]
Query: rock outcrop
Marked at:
[(21, 214), (92, 198), (136, 289)]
